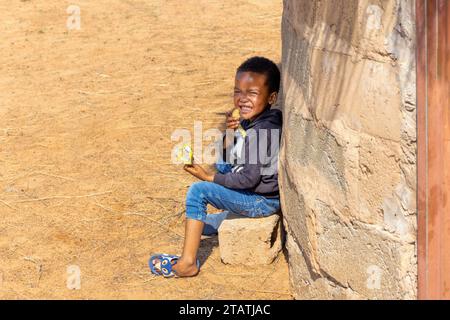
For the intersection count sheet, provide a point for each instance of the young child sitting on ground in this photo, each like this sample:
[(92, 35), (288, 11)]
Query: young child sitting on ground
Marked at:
[(246, 185)]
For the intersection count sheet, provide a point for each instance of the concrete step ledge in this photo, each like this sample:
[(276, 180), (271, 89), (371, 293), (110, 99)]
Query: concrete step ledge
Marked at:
[(250, 241)]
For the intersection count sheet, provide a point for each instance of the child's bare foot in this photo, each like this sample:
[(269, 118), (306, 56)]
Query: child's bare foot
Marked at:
[(185, 269)]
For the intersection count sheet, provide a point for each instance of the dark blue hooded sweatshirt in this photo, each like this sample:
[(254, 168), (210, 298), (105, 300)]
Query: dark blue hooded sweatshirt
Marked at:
[(256, 170)]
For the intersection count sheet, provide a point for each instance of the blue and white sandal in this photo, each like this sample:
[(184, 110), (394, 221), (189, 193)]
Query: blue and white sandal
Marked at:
[(165, 264)]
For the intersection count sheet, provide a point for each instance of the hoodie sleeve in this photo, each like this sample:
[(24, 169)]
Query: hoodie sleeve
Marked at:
[(247, 178), (249, 175)]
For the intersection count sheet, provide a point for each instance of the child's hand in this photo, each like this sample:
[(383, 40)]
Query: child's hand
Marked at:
[(198, 172), (232, 123)]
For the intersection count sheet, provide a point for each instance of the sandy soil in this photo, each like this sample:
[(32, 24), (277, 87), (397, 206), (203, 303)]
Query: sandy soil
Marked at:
[(85, 123)]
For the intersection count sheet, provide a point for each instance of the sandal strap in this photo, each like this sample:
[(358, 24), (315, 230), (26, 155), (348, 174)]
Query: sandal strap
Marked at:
[(164, 267)]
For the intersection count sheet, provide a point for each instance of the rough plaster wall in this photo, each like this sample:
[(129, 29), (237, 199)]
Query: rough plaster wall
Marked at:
[(347, 167)]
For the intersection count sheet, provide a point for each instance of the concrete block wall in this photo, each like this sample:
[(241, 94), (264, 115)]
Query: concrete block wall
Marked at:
[(348, 155)]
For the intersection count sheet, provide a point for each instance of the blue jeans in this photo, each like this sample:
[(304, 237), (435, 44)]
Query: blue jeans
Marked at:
[(241, 202)]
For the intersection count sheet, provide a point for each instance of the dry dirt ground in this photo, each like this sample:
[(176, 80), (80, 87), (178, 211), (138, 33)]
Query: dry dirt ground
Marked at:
[(86, 118)]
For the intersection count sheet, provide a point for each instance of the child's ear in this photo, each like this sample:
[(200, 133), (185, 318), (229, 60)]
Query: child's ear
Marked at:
[(273, 98)]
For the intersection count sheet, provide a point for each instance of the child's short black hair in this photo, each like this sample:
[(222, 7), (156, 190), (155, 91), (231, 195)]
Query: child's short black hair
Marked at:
[(264, 66)]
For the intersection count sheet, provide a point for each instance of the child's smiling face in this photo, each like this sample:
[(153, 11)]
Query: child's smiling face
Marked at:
[(251, 94)]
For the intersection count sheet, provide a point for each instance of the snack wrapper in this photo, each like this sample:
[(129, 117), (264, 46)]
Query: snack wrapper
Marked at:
[(185, 154)]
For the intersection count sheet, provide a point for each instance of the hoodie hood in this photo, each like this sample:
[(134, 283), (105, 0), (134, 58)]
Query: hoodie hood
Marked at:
[(268, 119)]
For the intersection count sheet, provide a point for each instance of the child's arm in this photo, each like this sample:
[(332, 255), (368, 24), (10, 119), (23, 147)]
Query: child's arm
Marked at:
[(199, 172), (232, 123), (247, 178)]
